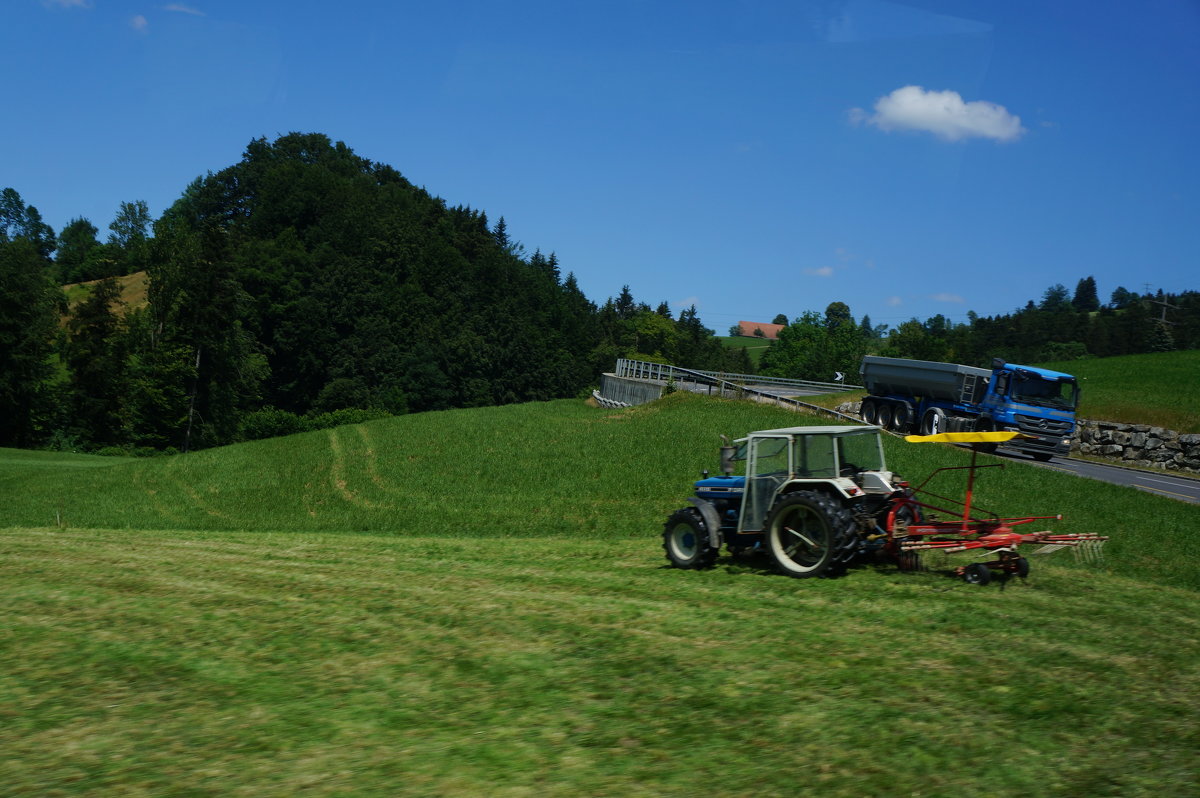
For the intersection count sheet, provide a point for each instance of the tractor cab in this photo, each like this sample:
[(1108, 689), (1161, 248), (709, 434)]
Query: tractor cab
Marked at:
[(846, 462)]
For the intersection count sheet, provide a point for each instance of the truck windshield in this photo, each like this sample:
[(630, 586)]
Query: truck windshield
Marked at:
[(1034, 390)]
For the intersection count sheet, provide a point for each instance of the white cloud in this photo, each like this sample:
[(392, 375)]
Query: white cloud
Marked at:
[(824, 271), (139, 23), (942, 113), (182, 9), (687, 303), (944, 297), (68, 3), (894, 301)]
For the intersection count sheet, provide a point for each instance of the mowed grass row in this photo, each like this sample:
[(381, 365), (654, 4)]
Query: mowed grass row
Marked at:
[(1157, 389), (556, 469), (263, 664)]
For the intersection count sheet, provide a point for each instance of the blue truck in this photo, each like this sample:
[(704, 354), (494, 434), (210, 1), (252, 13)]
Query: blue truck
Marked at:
[(930, 397)]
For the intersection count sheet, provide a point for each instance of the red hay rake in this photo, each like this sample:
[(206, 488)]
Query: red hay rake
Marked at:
[(909, 532)]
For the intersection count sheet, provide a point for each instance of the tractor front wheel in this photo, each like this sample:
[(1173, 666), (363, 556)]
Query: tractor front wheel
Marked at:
[(685, 539), (806, 532)]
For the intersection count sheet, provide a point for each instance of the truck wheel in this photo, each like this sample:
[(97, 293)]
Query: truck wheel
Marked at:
[(883, 417), (685, 539), (868, 411), (806, 532), (901, 417), (1041, 457), (934, 421), (986, 425)]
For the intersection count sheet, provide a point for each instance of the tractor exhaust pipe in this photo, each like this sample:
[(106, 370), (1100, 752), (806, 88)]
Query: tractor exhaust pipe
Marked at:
[(726, 456)]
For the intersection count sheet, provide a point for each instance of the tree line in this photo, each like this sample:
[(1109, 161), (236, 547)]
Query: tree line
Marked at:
[(1062, 326), (303, 285)]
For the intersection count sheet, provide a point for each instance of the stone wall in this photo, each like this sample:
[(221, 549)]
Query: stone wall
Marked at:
[(1138, 444)]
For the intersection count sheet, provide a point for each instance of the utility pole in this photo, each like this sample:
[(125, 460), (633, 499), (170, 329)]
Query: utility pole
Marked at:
[(1165, 305)]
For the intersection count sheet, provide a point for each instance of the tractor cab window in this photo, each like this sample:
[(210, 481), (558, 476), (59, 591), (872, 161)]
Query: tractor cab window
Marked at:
[(859, 453), (814, 457), (771, 456), (767, 468)]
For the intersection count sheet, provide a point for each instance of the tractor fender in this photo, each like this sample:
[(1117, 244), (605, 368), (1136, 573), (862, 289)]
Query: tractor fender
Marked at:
[(711, 520)]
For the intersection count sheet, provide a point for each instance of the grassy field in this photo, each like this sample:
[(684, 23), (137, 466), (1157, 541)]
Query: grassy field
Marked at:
[(476, 603), (755, 346), (1157, 389), (133, 290)]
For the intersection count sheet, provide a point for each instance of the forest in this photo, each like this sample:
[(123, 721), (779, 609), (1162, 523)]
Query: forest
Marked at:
[(302, 286), (306, 286)]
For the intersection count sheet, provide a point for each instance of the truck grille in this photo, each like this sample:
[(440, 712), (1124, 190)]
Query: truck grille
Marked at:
[(1043, 426)]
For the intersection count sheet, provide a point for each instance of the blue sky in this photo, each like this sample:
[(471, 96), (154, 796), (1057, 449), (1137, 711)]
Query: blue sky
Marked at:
[(752, 158)]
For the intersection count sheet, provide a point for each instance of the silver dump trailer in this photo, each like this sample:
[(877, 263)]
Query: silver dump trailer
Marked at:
[(947, 382)]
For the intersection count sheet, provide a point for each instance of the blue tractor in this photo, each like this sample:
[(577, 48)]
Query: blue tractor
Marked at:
[(811, 497)]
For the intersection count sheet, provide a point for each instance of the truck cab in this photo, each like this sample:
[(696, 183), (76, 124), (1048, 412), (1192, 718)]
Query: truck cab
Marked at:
[(1035, 401)]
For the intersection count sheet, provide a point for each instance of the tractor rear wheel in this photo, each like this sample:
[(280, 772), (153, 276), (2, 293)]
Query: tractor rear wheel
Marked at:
[(685, 540), (806, 533)]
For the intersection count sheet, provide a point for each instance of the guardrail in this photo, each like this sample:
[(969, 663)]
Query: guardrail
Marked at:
[(642, 370), (638, 369)]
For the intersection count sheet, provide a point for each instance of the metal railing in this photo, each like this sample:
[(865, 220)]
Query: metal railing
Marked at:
[(723, 385), (642, 370)]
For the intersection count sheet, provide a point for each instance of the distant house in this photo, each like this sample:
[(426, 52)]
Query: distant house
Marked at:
[(769, 331)]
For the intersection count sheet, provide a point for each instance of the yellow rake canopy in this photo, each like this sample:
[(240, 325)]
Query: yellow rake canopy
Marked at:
[(966, 437)]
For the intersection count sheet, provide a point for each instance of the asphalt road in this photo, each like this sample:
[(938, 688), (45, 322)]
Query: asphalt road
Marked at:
[(1186, 489)]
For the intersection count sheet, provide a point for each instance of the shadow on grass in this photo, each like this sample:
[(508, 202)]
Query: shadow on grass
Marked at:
[(756, 562)]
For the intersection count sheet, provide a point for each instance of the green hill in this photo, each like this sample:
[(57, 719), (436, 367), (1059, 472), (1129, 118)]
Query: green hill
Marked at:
[(1157, 389), (753, 346), (476, 602)]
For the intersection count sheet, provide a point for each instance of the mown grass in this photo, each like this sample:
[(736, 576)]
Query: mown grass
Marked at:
[(180, 663), (476, 603), (1157, 389), (555, 469)]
